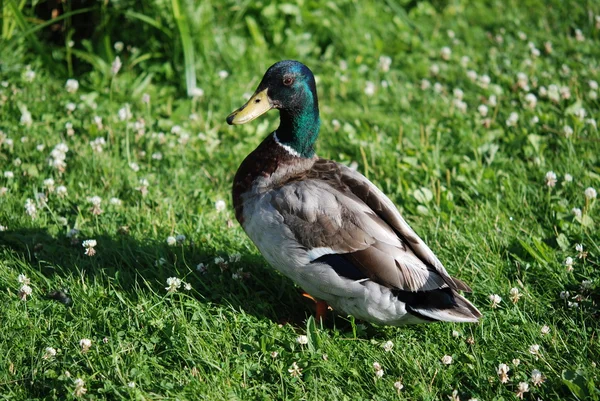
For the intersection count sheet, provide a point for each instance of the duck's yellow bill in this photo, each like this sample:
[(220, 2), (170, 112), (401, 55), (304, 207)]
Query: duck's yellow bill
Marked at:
[(258, 105)]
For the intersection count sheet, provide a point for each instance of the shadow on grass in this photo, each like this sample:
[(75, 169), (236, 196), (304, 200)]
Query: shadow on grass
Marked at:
[(133, 266)]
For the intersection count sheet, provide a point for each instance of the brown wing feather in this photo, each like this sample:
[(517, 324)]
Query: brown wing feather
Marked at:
[(329, 206)]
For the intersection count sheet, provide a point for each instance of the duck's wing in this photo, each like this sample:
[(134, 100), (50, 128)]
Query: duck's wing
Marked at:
[(339, 217)]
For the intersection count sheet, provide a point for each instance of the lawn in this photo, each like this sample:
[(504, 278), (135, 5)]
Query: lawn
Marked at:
[(124, 274)]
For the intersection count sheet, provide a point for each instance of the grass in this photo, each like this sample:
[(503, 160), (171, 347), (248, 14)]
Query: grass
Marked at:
[(477, 194)]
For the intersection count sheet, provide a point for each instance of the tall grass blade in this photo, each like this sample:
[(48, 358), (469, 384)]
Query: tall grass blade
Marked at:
[(188, 46)]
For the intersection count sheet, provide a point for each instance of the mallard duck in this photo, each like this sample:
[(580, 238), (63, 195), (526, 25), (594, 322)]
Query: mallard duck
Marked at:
[(326, 226)]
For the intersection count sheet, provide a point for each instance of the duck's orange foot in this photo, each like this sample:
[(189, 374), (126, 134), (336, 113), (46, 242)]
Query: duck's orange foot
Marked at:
[(322, 307)]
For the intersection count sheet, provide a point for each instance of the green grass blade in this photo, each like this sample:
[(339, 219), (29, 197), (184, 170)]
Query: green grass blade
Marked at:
[(33, 40), (188, 46), (55, 20), (148, 20)]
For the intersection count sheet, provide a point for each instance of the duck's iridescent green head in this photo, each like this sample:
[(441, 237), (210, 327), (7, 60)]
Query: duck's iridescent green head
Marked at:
[(290, 87)]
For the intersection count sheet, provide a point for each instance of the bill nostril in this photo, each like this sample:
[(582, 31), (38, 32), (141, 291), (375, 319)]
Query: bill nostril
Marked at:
[(257, 101)]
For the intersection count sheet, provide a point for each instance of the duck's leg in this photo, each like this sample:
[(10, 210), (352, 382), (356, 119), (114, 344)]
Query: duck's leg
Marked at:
[(321, 312)]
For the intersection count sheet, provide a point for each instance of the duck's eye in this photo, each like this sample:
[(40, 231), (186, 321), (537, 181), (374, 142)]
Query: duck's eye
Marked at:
[(287, 81)]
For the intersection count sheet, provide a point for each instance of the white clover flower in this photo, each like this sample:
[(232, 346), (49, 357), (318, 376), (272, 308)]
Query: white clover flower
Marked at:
[(586, 285), (434, 69), (495, 299), (220, 205), (484, 81), (425, 84), (58, 157), (98, 144), (30, 208), (274, 354), (553, 93), (28, 75), (550, 179), (95, 201), (455, 333), (564, 294), (398, 386), (171, 240), (483, 110), (387, 346), (118, 46), (568, 178), (223, 74), (568, 131), (460, 105), (515, 295), (464, 61), (531, 100), (576, 212), (134, 166), (522, 388), (302, 340), (446, 359), (492, 101), (593, 85), (569, 264), (49, 184), (26, 118), (235, 257), (445, 53), (590, 193), (545, 330), (80, 389), (472, 75), (85, 344), (458, 93), (115, 201), (384, 63), (197, 92), (379, 373), (503, 370), (9, 174), (49, 353), (579, 35), (536, 377), (522, 81), (125, 113), (369, 88), (295, 371), (438, 87), (201, 268), (512, 119), (534, 120), (565, 92), (116, 65), (173, 284), (72, 85), (187, 287), (25, 291), (89, 246), (534, 349), (579, 113)]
